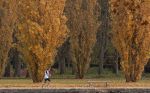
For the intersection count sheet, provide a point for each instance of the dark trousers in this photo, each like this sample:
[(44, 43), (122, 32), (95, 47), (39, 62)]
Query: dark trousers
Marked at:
[(46, 79)]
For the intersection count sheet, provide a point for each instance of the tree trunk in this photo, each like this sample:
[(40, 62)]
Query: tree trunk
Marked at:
[(80, 74), (63, 56), (17, 65), (2, 67), (102, 34), (7, 70), (100, 71), (128, 79), (116, 63), (37, 76), (27, 74), (35, 67), (73, 70), (116, 67), (17, 69), (62, 66)]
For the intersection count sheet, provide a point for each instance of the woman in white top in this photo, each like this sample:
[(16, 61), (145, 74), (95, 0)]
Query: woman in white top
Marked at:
[(47, 75)]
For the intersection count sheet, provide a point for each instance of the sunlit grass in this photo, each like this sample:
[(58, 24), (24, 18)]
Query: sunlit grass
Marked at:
[(68, 80), (73, 83)]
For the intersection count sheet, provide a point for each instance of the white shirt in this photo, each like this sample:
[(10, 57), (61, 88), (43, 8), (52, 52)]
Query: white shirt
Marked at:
[(46, 74)]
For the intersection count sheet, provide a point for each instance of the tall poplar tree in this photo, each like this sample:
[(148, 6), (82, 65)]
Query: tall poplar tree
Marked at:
[(131, 35), (83, 24), (7, 20), (41, 30)]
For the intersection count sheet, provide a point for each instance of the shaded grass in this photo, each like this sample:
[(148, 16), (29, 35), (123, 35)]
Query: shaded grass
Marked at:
[(92, 74)]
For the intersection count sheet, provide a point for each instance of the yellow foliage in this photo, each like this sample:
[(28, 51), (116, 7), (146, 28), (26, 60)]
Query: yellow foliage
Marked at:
[(7, 20), (41, 30), (131, 35), (83, 24)]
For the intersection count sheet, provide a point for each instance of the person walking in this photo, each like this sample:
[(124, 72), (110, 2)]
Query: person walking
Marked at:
[(47, 75)]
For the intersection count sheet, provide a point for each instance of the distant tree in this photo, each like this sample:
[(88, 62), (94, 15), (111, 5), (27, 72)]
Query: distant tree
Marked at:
[(41, 30), (102, 38), (7, 20), (83, 24), (131, 35), (63, 57), (15, 62)]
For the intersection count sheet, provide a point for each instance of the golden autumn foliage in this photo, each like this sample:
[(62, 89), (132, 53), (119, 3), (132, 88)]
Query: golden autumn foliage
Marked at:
[(7, 20), (131, 35), (41, 30), (83, 24)]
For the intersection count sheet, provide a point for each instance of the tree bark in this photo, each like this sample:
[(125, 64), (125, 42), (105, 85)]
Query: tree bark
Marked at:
[(37, 73), (7, 70), (102, 34), (62, 66), (116, 63), (100, 71)]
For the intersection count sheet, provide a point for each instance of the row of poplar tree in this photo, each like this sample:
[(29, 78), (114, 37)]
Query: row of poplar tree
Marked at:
[(40, 27)]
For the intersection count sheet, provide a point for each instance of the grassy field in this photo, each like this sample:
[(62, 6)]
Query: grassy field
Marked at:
[(72, 83), (68, 80)]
